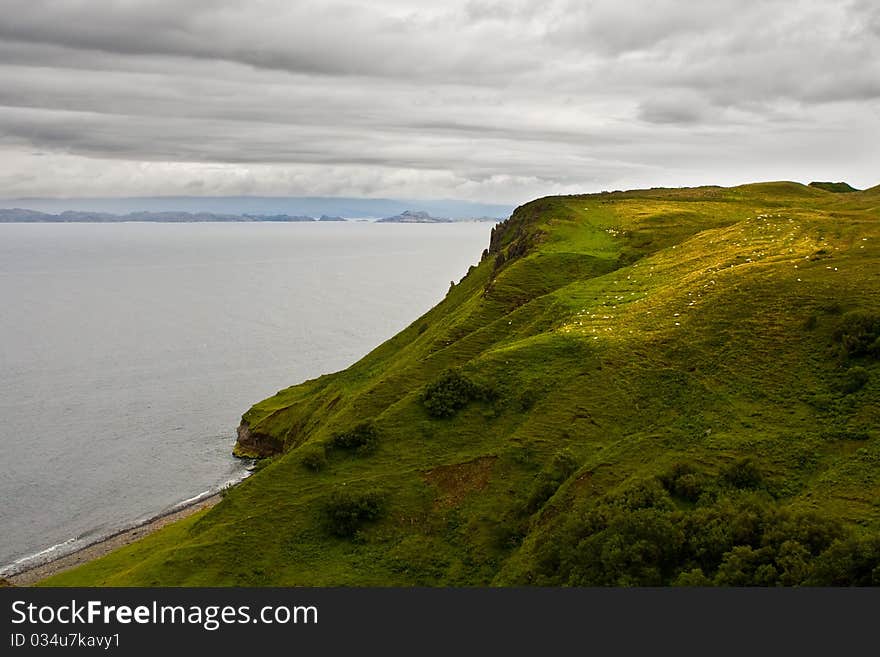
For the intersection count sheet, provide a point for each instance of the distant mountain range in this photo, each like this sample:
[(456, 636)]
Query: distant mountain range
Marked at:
[(255, 207), (410, 217), (21, 215)]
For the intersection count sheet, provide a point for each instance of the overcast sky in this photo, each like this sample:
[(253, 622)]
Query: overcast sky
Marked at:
[(479, 100)]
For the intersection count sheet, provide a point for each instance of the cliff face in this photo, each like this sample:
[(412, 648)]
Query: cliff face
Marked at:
[(254, 445), (647, 387)]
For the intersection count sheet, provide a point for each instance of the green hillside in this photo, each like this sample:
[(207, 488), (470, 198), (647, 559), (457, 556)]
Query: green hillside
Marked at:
[(666, 386), (838, 187)]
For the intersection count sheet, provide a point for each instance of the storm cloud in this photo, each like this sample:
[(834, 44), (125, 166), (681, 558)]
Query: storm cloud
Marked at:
[(479, 100)]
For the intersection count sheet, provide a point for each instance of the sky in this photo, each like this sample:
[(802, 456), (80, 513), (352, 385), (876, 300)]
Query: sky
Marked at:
[(479, 100)]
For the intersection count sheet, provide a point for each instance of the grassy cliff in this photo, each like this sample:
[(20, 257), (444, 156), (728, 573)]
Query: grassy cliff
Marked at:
[(648, 387)]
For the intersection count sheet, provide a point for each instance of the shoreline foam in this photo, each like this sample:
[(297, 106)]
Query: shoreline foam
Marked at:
[(42, 569), (24, 571)]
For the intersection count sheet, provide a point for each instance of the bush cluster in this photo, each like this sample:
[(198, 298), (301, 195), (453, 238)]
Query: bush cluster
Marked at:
[(854, 379), (315, 459), (744, 473), (732, 537), (450, 393), (362, 439), (858, 334), (345, 512), (686, 482)]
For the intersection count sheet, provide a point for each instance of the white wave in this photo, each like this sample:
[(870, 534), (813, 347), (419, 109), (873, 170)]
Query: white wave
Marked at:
[(79, 542)]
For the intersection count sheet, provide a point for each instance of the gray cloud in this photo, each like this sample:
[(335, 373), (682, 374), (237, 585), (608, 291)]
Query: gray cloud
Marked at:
[(626, 27), (478, 99), (300, 37), (677, 106)]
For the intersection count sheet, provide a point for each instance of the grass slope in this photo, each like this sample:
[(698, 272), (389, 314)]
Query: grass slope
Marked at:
[(837, 187), (651, 387)]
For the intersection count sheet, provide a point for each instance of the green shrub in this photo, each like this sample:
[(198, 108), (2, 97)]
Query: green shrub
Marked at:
[(314, 459), (745, 565), (854, 379), (345, 512), (450, 393), (744, 473), (694, 577), (684, 481), (690, 486), (361, 439), (858, 334), (644, 494), (854, 561), (635, 548)]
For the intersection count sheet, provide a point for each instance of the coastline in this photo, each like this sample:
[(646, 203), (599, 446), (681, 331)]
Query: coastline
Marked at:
[(108, 544)]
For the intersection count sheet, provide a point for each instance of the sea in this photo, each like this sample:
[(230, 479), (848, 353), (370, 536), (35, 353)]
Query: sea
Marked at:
[(129, 352)]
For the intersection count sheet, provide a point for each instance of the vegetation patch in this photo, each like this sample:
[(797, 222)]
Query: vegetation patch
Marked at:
[(835, 187), (858, 334), (686, 482), (346, 512), (744, 473), (854, 379), (641, 537), (450, 393), (361, 439), (314, 458)]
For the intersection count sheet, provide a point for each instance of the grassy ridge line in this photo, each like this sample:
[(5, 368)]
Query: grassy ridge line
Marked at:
[(620, 335)]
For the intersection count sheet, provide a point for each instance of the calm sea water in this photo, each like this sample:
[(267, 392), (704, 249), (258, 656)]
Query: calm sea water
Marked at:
[(128, 352)]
